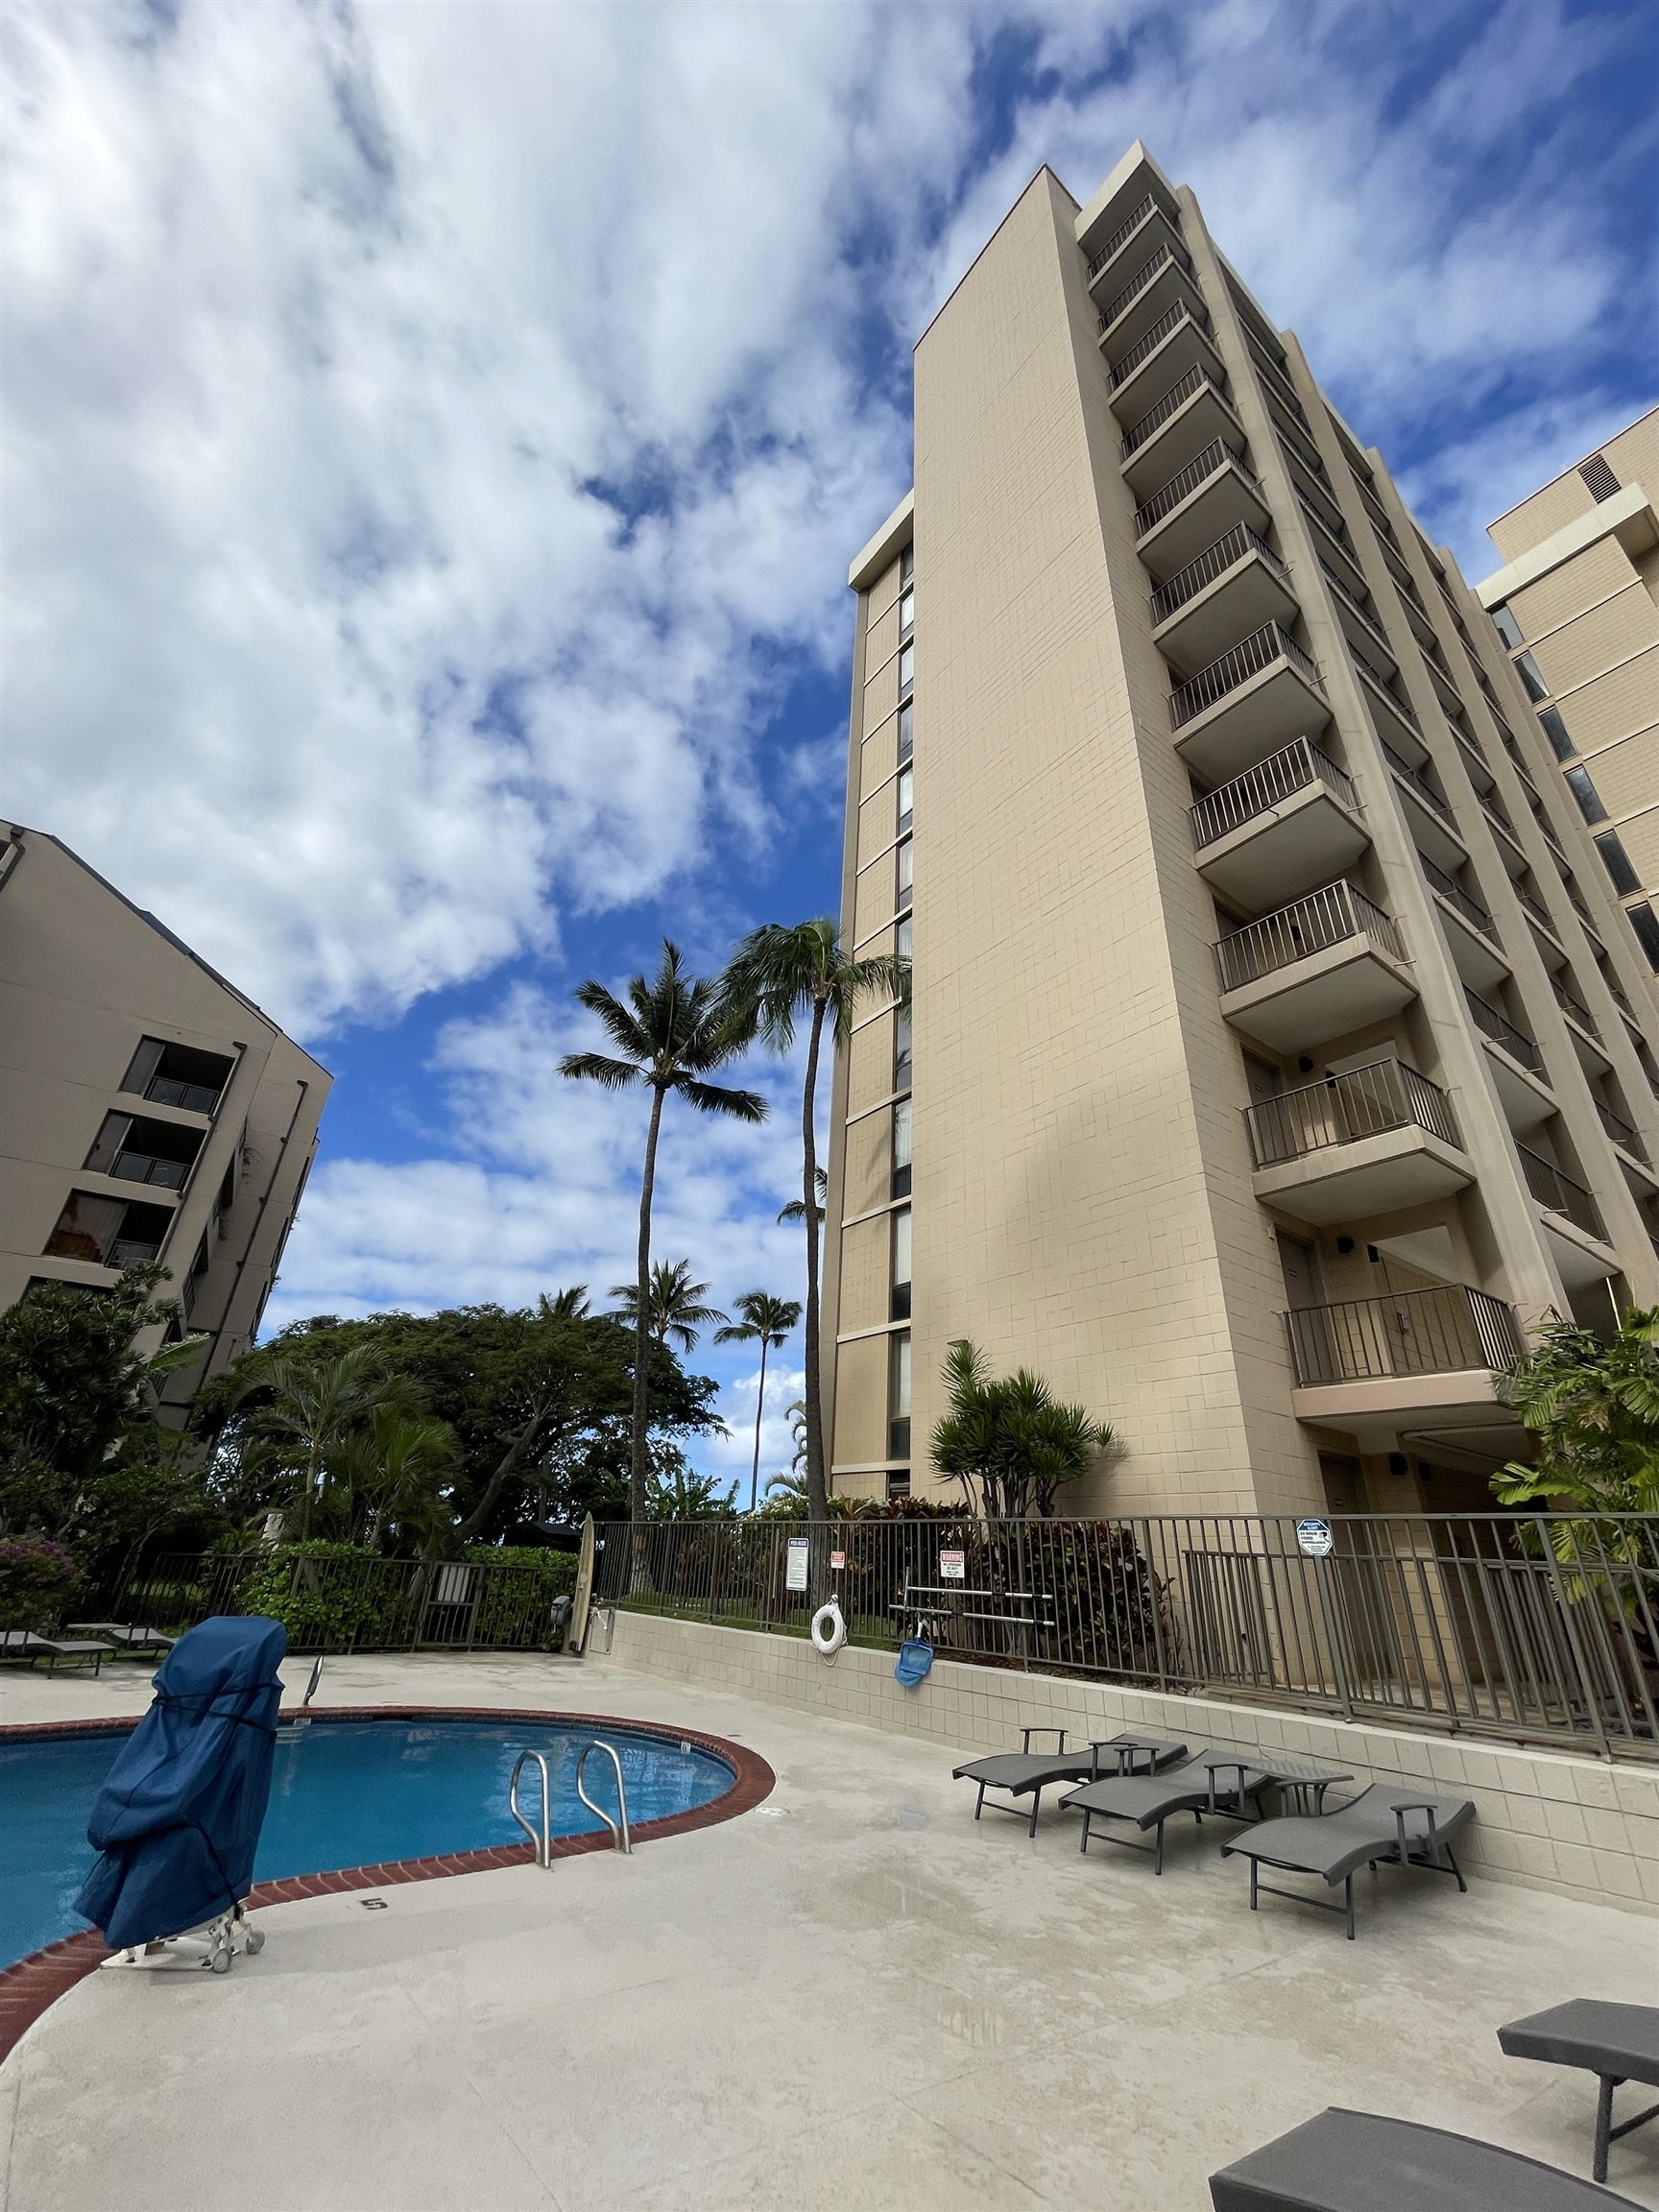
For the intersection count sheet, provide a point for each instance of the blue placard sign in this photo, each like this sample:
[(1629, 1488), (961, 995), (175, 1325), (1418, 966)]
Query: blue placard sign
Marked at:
[(1314, 1538)]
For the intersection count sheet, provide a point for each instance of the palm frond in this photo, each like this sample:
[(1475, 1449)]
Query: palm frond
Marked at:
[(621, 1026), (715, 1099), (595, 1068)]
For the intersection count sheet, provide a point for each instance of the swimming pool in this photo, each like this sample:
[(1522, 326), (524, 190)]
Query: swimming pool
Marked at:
[(344, 1792)]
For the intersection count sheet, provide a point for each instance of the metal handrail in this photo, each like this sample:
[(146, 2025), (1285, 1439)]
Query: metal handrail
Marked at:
[(146, 1168), (190, 1097), (1271, 370), (1235, 666), (1449, 1329), (1558, 1193), (1342, 1109), (1120, 236), (1374, 508), (1177, 396), (1228, 550), (1418, 781), (1182, 311), (1454, 893), (1202, 466), (1400, 706), (1621, 1132), (1536, 907), (1326, 917), (1571, 1007), (1343, 592), (618, 1837), (541, 1844), (1264, 786), (1168, 256), (1493, 1023)]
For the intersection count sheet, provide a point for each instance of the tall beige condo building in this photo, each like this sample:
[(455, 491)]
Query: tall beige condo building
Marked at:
[(147, 1110), (1577, 602), (1279, 1056)]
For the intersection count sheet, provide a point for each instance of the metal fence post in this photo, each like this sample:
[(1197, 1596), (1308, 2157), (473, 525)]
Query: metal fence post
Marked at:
[(1592, 1702)]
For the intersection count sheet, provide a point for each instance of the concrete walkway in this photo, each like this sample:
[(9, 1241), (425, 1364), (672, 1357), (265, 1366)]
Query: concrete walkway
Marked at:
[(850, 1997)]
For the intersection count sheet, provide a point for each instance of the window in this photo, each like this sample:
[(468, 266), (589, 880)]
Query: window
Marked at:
[(899, 1397), (176, 1076), (899, 1478), (109, 1231), (1599, 477), (901, 1149), (139, 1150), (905, 937), (906, 887), (1617, 862), (899, 1309), (1527, 668), (901, 1049), (906, 669), (906, 799), (906, 565), (906, 730), (1507, 628), (1555, 730), (1646, 923), (1589, 799), (906, 614)]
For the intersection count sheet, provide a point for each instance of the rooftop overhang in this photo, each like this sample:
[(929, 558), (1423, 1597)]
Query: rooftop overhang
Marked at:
[(885, 547), (1135, 175), (1627, 516)]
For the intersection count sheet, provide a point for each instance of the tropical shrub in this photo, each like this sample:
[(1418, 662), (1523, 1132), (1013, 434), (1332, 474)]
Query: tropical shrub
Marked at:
[(35, 1579)]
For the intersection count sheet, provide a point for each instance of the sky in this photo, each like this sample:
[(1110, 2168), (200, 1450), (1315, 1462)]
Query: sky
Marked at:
[(437, 435)]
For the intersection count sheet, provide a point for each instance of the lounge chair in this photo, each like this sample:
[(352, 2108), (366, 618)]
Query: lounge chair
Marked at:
[(24, 1644), (1361, 2162), (1615, 2042), (121, 1637), (1223, 1781), (1025, 1773), (1381, 1826)]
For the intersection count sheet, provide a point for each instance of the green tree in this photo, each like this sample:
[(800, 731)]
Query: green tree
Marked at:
[(778, 978), (796, 1209), (564, 1304), (768, 1322), (1010, 1437), (1590, 1406), (674, 1032), (677, 1493), (676, 1306)]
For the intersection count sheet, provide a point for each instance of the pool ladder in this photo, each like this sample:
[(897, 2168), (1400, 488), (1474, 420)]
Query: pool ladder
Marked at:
[(542, 1841)]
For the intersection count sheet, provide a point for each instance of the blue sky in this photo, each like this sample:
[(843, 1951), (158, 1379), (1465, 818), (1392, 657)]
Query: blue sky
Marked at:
[(437, 435)]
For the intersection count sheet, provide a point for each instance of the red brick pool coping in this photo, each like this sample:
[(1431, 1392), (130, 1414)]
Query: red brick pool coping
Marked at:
[(37, 1981)]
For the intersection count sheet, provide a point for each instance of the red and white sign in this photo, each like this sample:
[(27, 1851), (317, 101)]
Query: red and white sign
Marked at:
[(953, 1566), (837, 1558)]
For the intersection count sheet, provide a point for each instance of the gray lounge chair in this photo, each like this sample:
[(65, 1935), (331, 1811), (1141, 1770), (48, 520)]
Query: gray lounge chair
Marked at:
[(1361, 2162), (1226, 1782), (1381, 1826), (1028, 1774), (1615, 2042), (123, 1638), (23, 1644)]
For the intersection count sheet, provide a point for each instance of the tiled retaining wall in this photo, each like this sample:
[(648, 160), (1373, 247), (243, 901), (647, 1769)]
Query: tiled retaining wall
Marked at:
[(1547, 1820)]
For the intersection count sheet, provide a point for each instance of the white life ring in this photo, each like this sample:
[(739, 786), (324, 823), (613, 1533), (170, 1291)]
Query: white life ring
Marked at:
[(829, 1629)]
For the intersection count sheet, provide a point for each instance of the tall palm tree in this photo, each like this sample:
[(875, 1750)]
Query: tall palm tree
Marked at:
[(564, 1304), (674, 1030), (675, 1304), (767, 1321), (777, 977), (796, 1209)]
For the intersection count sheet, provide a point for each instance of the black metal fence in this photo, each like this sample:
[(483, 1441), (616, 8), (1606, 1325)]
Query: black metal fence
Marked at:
[(1527, 1627)]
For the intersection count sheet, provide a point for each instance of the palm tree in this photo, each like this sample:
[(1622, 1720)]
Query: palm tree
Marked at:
[(673, 1032), (675, 1305), (778, 977), (564, 1304), (766, 1321), (796, 1209), (317, 1406), (1012, 1437)]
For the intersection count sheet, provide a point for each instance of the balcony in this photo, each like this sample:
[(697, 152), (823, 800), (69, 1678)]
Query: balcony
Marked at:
[(1360, 625), (1201, 503), (1577, 1235), (1150, 223), (1624, 1136), (1293, 819), (1274, 377), (109, 1232), (1163, 282), (1335, 544), (1232, 589), (1477, 952), (1451, 698), (1191, 415), (1325, 965), (177, 1075), (139, 1149), (1429, 1353), (1510, 850), (1367, 1142), (1517, 1064), (1176, 342), (1397, 722), (1249, 702), (1432, 822), (1586, 1037)]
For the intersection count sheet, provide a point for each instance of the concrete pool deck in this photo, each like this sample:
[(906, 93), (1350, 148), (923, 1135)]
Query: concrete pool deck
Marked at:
[(849, 1996)]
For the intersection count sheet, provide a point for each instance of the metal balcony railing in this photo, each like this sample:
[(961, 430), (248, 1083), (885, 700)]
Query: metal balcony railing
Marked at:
[(1455, 894), (1229, 549), (1215, 456), (1622, 1133), (1419, 783), (1267, 785), (1492, 1023), (1172, 401), (131, 1252), (1495, 812), (145, 1168), (1536, 907), (193, 1097), (1366, 614), (1558, 1193), (1449, 1329), (1571, 1007), (1325, 917), (1378, 512), (1125, 230), (1273, 375), (1342, 1109), (1183, 311), (1168, 256), (1236, 666), (1398, 705)]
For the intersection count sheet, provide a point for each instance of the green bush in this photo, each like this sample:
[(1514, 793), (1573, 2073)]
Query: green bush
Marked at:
[(35, 1579), (334, 1596), (515, 1603)]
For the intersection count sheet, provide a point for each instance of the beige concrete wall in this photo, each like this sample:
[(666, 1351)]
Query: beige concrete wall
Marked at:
[(1634, 456), (1545, 1820)]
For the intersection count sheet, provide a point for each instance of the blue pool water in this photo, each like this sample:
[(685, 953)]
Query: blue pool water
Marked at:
[(344, 1794)]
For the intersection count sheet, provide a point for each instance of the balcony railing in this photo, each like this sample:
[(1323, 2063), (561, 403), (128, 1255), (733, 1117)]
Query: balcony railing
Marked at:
[(1361, 1102), (1236, 666), (1492, 1023), (1229, 549), (1495, 812), (1571, 1007), (1447, 1330), (1397, 705), (1167, 256), (1622, 1133), (1183, 311), (1536, 907), (1272, 374), (1558, 1193), (1378, 512), (1326, 917), (1420, 785), (1172, 401), (1125, 230), (1202, 466), (1269, 784), (1455, 894), (145, 1168), (193, 1097), (1365, 613), (131, 1252)]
